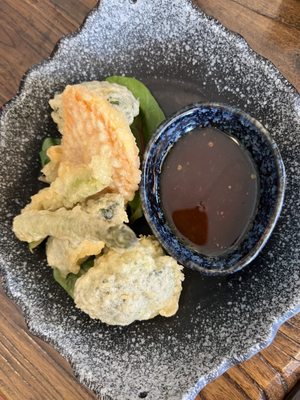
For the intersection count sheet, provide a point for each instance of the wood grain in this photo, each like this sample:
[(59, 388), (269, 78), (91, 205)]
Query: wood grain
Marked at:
[(30, 369), (29, 31), (272, 28), (269, 375)]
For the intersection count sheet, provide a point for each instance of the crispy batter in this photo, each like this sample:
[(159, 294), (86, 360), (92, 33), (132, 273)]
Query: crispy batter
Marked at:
[(91, 126), (50, 170), (110, 207), (117, 95), (97, 219), (74, 183), (67, 255), (127, 285), (32, 226)]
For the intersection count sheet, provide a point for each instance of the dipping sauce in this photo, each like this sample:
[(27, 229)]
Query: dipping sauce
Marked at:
[(209, 190)]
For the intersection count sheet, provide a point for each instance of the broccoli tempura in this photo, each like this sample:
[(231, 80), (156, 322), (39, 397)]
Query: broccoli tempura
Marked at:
[(127, 285)]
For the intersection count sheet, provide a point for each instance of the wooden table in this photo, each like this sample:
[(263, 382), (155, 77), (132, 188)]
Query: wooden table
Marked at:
[(29, 368)]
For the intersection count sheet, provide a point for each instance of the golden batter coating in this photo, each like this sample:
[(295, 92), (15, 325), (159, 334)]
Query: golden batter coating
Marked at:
[(128, 285), (91, 127), (73, 184), (90, 221), (117, 95), (67, 255)]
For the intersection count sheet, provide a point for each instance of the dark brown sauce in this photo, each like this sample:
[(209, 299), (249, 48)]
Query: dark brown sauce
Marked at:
[(209, 190)]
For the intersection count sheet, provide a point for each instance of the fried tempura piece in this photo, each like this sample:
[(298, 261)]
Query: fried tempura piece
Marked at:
[(90, 126), (50, 170), (73, 184), (127, 285), (117, 95), (45, 199), (110, 207), (75, 224), (67, 255)]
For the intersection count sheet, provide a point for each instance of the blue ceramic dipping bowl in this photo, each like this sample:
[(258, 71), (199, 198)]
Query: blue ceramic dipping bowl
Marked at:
[(265, 154)]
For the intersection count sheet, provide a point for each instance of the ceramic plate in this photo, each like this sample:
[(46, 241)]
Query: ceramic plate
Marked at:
[(184, 56)]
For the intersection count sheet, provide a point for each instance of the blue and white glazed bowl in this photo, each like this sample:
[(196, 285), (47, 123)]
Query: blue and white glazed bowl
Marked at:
[(265, 154)]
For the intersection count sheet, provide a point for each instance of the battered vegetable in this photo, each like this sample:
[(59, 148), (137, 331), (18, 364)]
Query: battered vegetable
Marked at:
[(74, 224), (73, 184), (93, 127), (118, 96), (127, 285), (68, 255)]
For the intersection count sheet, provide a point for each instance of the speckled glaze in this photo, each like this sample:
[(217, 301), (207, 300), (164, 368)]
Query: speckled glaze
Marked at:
[(264, 151), (185, 57)]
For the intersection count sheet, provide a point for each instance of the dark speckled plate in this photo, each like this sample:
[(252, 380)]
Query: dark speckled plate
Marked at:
[(185, 57)]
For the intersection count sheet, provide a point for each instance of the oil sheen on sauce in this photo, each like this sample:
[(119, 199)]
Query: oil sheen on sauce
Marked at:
[(209, 190)]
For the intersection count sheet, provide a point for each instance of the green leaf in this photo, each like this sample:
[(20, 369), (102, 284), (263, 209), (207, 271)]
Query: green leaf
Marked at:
[(143, 126), (68, 282), (33, 245), (136, 210), (86, 265), (48, 142), (150, 116)]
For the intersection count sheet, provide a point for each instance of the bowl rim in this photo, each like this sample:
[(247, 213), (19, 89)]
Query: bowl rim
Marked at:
[(280, 170)]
